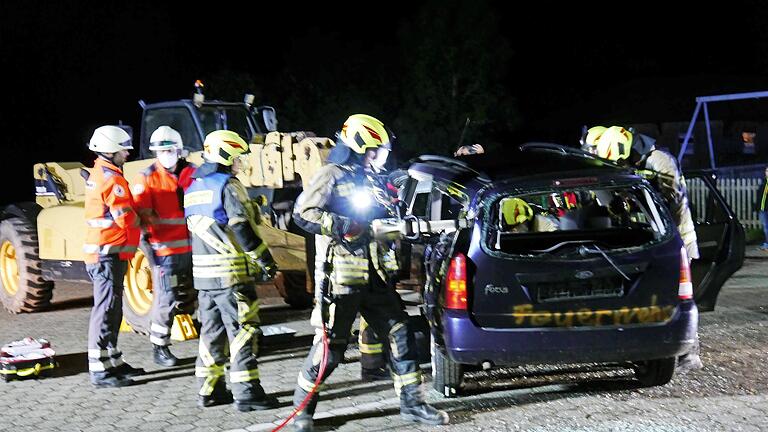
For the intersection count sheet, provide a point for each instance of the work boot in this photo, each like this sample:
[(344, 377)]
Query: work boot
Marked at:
[(375, 374), (163, 356), (414, 408), (128, 371), (691, 360), (264, 403), (303, 424), (102, 380), (220, 397)]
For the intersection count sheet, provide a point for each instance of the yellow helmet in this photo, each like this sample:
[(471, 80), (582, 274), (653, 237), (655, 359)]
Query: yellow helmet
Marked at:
[(362, 132), (223, 146), (515, 211), (589, 140), (615, 143)]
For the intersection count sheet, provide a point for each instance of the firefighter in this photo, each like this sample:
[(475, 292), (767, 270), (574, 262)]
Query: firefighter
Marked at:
[(111, 239), (227, 256), (159, 195), (356, 273), (628, 148)]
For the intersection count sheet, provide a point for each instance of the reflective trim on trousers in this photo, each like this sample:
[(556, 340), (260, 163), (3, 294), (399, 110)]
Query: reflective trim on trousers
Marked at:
[(243, 336), (370, 348), (161, 341), (308, 386), (160, 329), (243, 376), (209, 371), (204, 354), (407, 379)]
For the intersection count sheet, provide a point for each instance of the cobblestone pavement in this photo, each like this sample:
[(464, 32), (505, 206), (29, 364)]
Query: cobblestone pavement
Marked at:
[(730, 393)]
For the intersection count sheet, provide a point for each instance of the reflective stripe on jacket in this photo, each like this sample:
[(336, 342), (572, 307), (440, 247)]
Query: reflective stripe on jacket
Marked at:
[(158, 194), (113, 225), (218, 258)]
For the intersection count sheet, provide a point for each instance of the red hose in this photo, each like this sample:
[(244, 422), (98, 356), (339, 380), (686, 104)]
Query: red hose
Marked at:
[(323, 364)]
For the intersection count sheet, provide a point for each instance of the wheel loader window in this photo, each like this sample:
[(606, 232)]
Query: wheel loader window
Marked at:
[(178, 118), (226, 117)]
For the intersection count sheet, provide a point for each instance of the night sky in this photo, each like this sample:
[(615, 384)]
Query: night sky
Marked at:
[(68, 68)]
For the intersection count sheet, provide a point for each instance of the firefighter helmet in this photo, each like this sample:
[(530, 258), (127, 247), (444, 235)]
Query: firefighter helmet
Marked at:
[(110, 139), (223, 146), (615, 143), (589, 139), (362, 132), (165, 138), (515, 211)]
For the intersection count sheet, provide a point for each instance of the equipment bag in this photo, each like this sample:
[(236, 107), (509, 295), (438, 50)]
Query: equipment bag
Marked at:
[(28, 357)]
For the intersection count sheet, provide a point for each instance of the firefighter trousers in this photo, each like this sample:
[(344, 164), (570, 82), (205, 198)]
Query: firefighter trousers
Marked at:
[(229, 333), (107, 313), (380, 306), (374, 354), (170, 285)]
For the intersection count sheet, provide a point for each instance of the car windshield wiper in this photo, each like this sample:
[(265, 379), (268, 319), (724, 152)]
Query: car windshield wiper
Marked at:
[(584, 251)]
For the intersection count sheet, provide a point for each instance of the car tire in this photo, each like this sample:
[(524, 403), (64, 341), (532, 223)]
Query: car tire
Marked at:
[(22, 287), (447, 375), (654, 373)]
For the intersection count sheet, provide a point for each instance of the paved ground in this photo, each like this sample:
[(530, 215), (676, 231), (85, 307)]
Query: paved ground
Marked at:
[(730, 393)]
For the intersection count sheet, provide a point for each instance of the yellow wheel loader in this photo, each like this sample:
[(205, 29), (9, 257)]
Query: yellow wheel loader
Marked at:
[(41, 242)]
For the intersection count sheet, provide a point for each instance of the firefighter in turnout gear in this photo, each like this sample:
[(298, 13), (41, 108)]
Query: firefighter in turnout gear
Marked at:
[(111, 239), (159, 195), (629, 148), (227, 258), (357, 272)]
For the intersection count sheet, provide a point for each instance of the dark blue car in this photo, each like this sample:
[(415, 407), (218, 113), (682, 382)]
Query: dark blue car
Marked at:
[(566, 259)]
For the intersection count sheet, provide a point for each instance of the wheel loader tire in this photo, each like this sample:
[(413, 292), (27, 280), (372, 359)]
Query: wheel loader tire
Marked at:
[(22, 287), (296, 294), (137, 290)]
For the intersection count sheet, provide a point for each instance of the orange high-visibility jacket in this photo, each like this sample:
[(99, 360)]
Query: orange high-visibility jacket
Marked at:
[(158, 194), (113, 225)]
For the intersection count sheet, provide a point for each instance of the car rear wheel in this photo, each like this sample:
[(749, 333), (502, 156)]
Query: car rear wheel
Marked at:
[(22, 287), (655, 372), (447, 375)]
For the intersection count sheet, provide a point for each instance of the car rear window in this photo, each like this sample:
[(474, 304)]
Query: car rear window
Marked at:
[(559, 221)]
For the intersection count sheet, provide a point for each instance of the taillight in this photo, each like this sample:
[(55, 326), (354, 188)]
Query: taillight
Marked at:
[(456, 283), (685, 290)]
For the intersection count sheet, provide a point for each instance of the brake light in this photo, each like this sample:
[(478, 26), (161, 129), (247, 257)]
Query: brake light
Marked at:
[(685, 290), (456, 283)]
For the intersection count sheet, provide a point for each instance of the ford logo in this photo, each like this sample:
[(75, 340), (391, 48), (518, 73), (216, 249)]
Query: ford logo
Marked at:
[(584, 274)]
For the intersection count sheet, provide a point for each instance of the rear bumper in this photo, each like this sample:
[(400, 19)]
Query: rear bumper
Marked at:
[(466, 343)]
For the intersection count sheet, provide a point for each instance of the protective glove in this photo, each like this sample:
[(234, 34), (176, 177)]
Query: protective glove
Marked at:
[(264, 262)]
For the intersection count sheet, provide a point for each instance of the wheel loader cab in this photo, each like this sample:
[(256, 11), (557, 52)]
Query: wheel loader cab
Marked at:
[(194, 123)]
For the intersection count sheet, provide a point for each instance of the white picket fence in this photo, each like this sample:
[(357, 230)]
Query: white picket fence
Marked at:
[(740, 193)]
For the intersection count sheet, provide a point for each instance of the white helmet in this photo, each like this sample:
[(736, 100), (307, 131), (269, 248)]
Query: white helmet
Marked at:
[(165, 138), (110, 139)]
